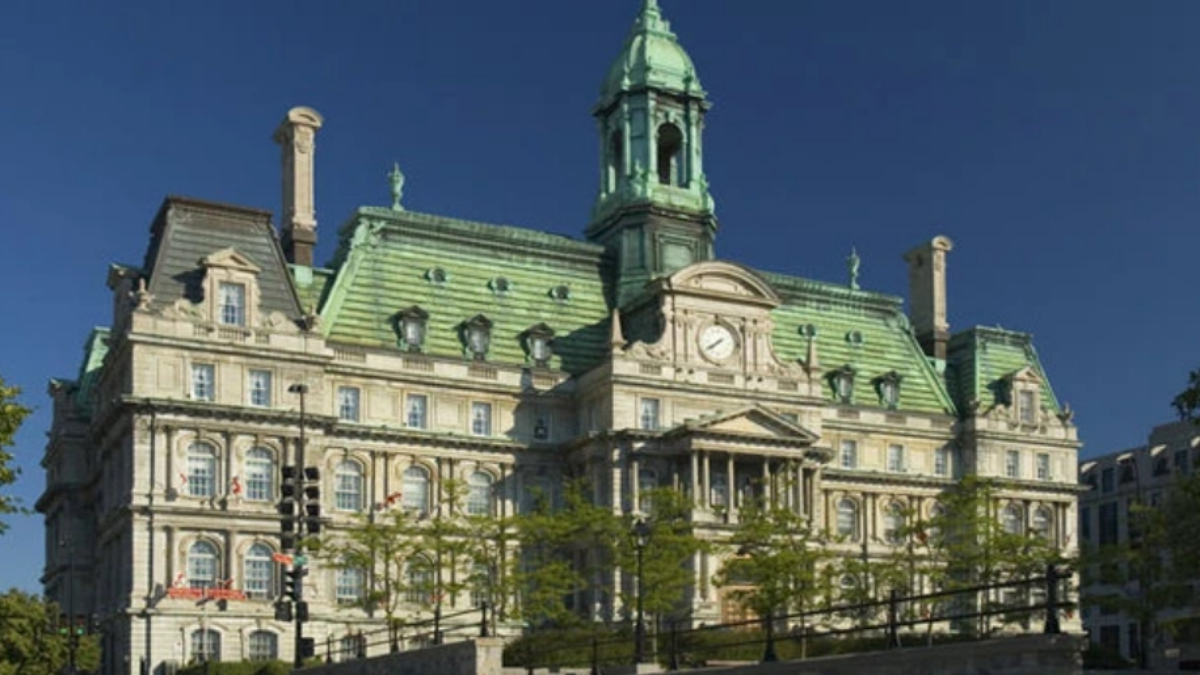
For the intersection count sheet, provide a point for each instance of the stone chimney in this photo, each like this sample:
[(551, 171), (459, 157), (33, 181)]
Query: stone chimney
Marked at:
[(927, 294), (297, 136)]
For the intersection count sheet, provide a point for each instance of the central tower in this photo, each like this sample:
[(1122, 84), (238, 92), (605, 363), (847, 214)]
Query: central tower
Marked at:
[(654, 210)]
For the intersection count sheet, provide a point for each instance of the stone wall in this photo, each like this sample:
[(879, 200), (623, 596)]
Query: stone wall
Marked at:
[(480, 656)]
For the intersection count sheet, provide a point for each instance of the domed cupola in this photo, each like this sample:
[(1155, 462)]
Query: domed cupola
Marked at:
[(652, 57), (654, 209)]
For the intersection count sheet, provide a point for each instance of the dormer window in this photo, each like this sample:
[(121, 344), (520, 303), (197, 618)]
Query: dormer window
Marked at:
[(231, 300), (1027, 406), (500, 285), (561, 293), (477, 336), (843, 384), (538, 343), (436, 276), (412, 323), (889, 390)]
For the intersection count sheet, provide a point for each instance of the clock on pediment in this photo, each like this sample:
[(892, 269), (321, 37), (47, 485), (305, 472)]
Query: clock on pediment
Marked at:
[(717, 342)]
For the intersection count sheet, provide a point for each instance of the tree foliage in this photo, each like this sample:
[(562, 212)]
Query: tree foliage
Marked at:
[(1187, 402), (670, 547), (31, 642), (12, 414)]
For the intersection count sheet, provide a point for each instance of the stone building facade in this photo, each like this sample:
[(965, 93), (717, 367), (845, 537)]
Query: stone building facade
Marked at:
[(433, 347)]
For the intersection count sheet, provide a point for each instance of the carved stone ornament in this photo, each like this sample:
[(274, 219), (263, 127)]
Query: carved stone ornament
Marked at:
[(141, 297)]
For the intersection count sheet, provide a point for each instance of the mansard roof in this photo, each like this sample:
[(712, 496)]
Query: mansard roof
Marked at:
[(980, 359)]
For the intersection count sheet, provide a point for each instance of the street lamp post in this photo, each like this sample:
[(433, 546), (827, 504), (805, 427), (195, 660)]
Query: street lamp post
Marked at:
[(298, 658), (641, 533)]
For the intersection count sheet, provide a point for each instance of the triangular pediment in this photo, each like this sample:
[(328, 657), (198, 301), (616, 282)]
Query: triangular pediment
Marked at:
[(1026, 374), (753, 421), (230, 258)]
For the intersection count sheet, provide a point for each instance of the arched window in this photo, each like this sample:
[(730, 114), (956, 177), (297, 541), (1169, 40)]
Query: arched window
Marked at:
[(348, 486), (418, 574), (479, 494), (616, 158), (416, 490), (847, 519), (1010, 519), (260, 475), (893, 524), (206, 645), (647, 483), (202, 567), (670, 155), (259, 572), (348, 585), (1041, 523), (201, 470), (264, 646)]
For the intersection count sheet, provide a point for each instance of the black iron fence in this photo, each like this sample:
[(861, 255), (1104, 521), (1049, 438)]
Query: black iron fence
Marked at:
[(403, 635), (962, 614)]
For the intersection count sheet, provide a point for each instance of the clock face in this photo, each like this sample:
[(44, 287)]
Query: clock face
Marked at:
[(717, 342)]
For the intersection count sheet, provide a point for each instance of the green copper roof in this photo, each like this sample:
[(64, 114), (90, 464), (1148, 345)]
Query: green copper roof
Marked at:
[(867, 331), (94, 352), (980, 358), (652, 57), (453, 269)]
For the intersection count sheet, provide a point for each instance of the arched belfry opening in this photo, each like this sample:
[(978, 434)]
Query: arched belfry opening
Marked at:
[(616, 160), (670, 155)]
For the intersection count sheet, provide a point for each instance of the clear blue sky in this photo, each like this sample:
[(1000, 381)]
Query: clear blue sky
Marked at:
[(1057, 143)]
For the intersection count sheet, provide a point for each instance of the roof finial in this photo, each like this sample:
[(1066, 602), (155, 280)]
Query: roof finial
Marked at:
[(396, 177), (853, 263)]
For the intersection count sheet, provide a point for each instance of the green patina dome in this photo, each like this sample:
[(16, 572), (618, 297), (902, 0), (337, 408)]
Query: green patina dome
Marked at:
[(652, 57)]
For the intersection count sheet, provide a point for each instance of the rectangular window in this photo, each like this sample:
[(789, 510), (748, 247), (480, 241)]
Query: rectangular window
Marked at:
[(347, 400), (1025, 405), (1012, 463), (481, 419), (1043, 466), (1108, 524), (417, 413), (231, 299), (941, 461), (203, 381), (348, 585), (1181, 461), (849, 454), (650, 411), (1106, 480), (1085, 523), (895, 458), (260, 388)]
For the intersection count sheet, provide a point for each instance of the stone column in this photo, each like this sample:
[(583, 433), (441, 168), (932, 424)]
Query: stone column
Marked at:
[(731, 485), (635, 488), (695, 479), (706, 498)]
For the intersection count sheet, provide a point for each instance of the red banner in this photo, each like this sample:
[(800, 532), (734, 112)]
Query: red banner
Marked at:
[(206, 593)]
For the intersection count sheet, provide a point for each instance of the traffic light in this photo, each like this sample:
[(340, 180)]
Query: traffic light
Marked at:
[(308, 648), (283, 611), (312, 500), (288, 487), (302, 611), (293, 583), (287, 508)]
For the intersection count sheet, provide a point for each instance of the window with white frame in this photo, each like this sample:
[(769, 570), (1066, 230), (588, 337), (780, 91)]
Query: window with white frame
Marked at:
[(479, 494), (419, 587), (264, 646), (417, 413), (348, 403), (259, 580), (415, 491), (1027, 406), (260, 475), (1041, 523), (847, 519), (650, 414), (849, 454), (1012, 463), (895, 458), (941, 461), (260, 388), (204, 382), (481, 418), (1043, 466), (201, 470), (348, 586), (202, 565), (1010, 519), (893, 524), (647, 482), (206, 645), (719, 494), (348, 486), (231, 301)]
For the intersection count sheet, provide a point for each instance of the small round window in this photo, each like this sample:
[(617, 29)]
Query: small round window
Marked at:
[(560, 293), (808, 330), (500, 285), (854, 337), (436, 275)]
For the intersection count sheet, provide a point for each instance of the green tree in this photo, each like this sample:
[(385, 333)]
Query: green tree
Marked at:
[(1187, 402), (670, 546), (777, 561), (12, 414), (33, 640)]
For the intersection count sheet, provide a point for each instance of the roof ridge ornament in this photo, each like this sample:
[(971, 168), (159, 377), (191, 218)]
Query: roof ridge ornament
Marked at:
[(396, 181), (852, 264)]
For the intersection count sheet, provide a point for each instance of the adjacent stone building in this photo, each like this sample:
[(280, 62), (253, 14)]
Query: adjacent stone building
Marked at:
[(433, 347)]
